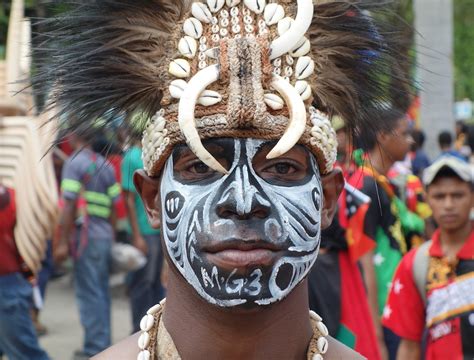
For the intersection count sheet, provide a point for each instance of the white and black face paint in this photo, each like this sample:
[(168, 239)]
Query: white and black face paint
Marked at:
[(240, 239)]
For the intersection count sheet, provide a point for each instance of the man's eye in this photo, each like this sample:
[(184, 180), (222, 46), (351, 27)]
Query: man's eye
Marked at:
[(199, 168), (282, 169)]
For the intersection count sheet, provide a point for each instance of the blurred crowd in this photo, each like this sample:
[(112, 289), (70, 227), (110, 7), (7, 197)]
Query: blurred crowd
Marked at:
[(380, 285)]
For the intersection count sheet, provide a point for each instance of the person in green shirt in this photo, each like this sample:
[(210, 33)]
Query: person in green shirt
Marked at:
[(145, 288)]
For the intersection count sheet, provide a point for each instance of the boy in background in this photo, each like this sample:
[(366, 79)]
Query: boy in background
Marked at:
[(431, 302)]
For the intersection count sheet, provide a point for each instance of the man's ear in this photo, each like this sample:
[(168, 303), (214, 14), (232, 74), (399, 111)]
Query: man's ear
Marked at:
[(149, 190), (333, 183)]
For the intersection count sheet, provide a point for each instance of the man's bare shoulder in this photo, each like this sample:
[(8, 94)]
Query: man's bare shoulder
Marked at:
[(337, 350), (125, 349)]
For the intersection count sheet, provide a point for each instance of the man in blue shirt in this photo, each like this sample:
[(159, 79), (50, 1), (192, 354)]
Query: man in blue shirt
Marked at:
[(89, 190)]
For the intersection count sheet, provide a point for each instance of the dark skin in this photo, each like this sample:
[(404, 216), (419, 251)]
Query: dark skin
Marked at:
[(280, 331)]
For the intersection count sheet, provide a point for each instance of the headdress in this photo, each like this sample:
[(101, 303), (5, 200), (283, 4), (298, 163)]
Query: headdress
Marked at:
[(23, 141), (194, 70)]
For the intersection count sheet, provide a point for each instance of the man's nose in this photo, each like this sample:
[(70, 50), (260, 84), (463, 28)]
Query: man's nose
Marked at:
[(448, 202), (241, 198)]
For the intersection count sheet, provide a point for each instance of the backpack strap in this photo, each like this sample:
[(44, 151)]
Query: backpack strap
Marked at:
[(420, 268)]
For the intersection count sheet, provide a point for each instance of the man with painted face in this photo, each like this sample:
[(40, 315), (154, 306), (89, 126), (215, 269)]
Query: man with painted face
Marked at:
[(238, 154)]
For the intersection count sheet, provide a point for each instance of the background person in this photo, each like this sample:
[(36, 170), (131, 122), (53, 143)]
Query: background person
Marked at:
[(445, 141), (87, 232), (419, 160), (384, 220), (18, 339), (431, 302)]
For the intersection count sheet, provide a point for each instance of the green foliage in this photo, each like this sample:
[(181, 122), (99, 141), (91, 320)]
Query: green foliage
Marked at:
[(464, 48)]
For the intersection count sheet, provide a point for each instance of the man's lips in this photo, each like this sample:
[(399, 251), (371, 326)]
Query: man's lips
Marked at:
[(235, 254), (449, 218)]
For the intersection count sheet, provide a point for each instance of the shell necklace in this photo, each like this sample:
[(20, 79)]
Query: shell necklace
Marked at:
[(155, 342)]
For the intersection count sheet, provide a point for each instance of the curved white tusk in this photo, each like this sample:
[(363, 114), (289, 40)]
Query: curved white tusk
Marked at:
[(287, 41), (187, 105), (297, 122)]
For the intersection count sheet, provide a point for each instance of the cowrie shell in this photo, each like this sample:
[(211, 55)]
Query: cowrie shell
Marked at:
[(160, 125), (284, 25), (317, 134), (224, 22), (187, 46), (274, 101), (193, 27), (311, 312), (302, 48), (144, 355), (322, 328), (154, 309), (231, 3), (144, 340), (147, 322), (177, 88), (322, 345), (215, 5), (304, 67), (257, 6), (234, 12), (180, 68), (209, 98), (157, 139), (201, 12), (249, 28), (273, 13), (317, 357)]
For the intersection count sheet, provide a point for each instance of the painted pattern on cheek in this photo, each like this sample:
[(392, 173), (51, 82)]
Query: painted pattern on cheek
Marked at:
[(225, 209)]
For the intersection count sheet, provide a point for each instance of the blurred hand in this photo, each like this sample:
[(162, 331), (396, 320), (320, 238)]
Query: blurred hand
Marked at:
[(61, 252), (140, 243)]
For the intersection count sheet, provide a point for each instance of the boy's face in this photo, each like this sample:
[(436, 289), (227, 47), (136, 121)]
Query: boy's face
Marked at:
[(451, 200), (248, 237)]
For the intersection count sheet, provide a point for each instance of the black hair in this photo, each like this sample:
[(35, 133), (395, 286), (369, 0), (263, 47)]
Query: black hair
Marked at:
[(418, 137), (462, 125), (445, 139), (389, 119)]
